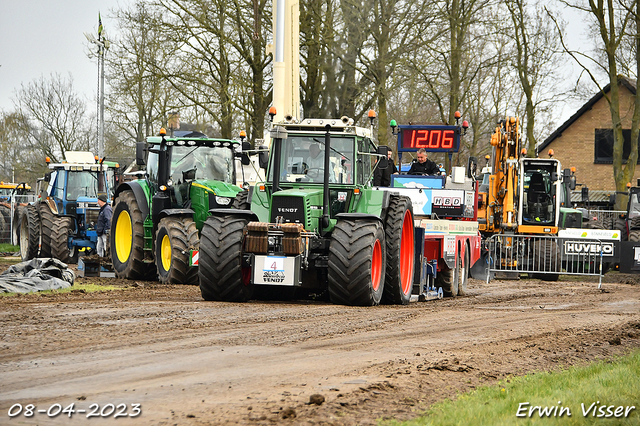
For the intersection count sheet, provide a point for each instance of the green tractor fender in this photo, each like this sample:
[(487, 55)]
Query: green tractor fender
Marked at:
[(142, 194), (246, 214), (358, 216), (176, 213)]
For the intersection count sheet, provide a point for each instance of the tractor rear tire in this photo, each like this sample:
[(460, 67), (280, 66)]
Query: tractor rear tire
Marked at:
[(621, 225), (223, 276), (46, 227), (30, 233), (62, 230), (4, 229), (18, 211), (634, 235), (463, 271), (5, 234), (127, 239), (357, 263), (448, 280), (547, 258), (175, 238), (241, 202), (399, 239)]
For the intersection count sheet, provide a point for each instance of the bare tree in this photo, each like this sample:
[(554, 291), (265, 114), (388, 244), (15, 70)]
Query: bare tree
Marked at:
[(138, 97), (53, 117), (536, 62), (614, 22)]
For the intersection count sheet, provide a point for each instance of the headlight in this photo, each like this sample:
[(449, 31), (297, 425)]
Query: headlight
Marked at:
[(223, 201)]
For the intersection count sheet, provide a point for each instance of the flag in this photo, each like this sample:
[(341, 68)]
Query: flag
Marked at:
[(99, 26)]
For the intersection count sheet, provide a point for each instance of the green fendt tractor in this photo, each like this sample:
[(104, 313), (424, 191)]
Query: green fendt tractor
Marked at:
[(316, 225), (156, 220)]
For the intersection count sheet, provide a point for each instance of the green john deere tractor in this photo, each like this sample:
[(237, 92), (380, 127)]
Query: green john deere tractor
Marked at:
[(316, 226), (157, 220)]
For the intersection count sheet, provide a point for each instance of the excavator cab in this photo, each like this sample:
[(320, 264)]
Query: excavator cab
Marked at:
[(538, 192)]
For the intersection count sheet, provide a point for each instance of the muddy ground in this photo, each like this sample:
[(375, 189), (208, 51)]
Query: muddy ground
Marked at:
[(190, 362)]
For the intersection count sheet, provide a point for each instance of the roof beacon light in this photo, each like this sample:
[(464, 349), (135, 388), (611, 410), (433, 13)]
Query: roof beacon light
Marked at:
[(550, 153)]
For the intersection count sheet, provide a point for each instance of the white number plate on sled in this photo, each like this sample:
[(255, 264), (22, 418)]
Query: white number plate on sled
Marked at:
[(276, 270)]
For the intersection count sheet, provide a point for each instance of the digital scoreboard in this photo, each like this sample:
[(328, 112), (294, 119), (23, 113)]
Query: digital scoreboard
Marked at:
[(433, 138)]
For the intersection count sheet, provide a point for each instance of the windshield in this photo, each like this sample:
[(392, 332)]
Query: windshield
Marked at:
[(201, 162), (82, 184), (303, 159)]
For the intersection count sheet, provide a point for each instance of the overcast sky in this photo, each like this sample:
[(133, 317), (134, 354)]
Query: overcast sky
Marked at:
[(42, 37)]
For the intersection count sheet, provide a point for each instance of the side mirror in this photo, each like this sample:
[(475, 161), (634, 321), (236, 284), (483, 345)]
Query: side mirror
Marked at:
[(263, 157), (572, 183), (47, 177), (141, 153), (383, 161), (244, 157)]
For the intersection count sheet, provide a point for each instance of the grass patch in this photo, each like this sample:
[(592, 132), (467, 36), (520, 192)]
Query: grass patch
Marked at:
[(82, 288), (9, 248), (612, 383)]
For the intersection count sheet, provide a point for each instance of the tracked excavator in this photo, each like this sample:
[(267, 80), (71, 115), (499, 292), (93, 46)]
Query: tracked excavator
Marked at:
[(525, 197)]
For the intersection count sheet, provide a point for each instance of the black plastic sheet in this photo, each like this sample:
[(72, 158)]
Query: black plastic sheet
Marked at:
[(36, 275)]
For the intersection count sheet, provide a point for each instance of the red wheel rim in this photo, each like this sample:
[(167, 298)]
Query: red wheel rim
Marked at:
[(376, 265), (407, 253)]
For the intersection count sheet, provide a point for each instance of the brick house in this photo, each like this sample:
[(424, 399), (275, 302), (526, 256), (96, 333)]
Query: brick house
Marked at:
[(585, 141)]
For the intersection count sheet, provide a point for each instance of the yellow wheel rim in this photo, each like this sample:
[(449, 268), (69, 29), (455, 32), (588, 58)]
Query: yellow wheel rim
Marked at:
[(165, 252), (123, 236)]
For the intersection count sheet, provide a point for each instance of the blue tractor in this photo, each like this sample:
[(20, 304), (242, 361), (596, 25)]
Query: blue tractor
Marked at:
[(62, 220)]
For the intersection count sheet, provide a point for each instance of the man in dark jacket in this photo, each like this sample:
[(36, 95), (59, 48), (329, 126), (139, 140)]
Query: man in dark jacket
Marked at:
[(104, 224), (382, 177), (424, 166)]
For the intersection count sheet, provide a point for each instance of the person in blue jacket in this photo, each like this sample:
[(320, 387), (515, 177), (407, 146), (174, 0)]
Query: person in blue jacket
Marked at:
[(104, 225)]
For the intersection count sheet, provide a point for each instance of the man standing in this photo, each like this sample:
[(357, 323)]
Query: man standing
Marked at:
[(382, 177), (104, 224), (424, 166)]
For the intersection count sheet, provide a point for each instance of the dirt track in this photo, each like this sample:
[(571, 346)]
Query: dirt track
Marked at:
[(190, 362)]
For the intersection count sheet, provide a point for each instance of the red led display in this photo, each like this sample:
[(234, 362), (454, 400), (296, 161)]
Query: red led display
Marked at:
[(431, 138)]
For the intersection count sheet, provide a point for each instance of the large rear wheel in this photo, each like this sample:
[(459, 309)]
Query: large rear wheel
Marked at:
[(127, 239), (241, 202), (30, 233), (60, 249), (18, 211), (357, 263), (175, 238), (46, 229), (222, 273), (400, 253)]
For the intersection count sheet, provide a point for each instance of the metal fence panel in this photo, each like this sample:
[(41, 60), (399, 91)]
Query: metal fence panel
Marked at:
[(605, 216), (548, 256)]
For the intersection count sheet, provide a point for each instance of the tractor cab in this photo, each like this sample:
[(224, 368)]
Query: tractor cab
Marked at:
[(190, 172)]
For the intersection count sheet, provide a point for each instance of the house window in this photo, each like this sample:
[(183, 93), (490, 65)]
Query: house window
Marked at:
[(604, 146)]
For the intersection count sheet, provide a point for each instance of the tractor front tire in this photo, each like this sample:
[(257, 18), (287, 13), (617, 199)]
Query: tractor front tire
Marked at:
[(30, 233), (62, 230), (399, 239), (357, 263), (175, 238), (223, 276), (46, 228), (127, 239)]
